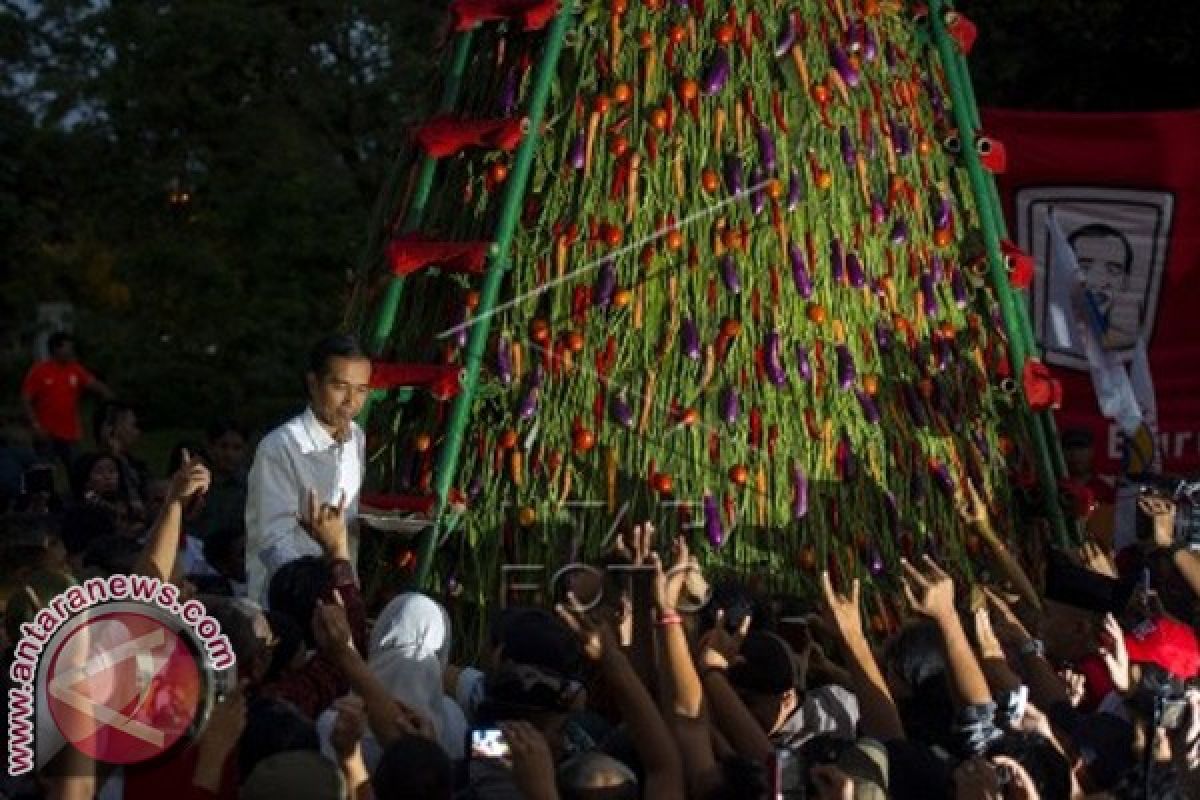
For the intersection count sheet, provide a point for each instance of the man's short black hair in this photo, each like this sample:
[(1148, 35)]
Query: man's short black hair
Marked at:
[(331, 347), (57, 340), (1098, 230), (294, 590), (413, 766)]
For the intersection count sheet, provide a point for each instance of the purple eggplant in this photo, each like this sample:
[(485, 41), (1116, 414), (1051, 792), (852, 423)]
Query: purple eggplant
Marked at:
[(845, 367), (958, 288), (869, 409), (941, 476), (899, 234), (841, 62), (928, 295), (875, 565), (537, 375), (734, 176), (504, 370), (459, 321), (891, 511), (914, 404), (848, 155), (690, 340), (576, 157), (854, 35), (787, 36), (837, 261), (714, 528), (729, 405), (606, 285), (854, 271), (771, 360), (507, 104), (729, 275), (475, 487), (936, 268), (878, 212), (883, 337), (937, 400), (889, 55), (870, 45), (941, 212), (529, 405), (795, 190), (800, 270), (941, 351), (622, 413), (766, 149), (916, 485), (901, 142), (758, 190), (803, 366), (799, 493), (848, 461), (717, 74)]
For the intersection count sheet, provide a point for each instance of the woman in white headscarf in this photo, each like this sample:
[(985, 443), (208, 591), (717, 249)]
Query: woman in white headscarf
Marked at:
[(409, 651)]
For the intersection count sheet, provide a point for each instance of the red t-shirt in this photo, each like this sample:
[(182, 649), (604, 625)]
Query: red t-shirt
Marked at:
[(53, 387)]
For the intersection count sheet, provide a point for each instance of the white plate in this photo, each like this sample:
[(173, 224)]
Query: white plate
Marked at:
[(394, 522)]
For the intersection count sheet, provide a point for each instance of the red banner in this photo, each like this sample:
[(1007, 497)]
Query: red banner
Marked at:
[(1126, 190)]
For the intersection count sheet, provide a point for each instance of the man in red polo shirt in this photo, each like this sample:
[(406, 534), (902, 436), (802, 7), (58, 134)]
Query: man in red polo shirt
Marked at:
[(51, 395)]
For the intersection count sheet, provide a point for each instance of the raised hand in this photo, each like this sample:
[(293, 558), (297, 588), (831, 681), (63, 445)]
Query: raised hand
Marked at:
[(971, 506), (596, 638), (349, 727), (1076, 685), (841, 613), (1005, 623), (332, 629), (1112, 650), (192, 478), (1162, 515), (989, 644), (326, 524), (930, 593), (637, 544), (719, 647), (532, 764), (669, 585)]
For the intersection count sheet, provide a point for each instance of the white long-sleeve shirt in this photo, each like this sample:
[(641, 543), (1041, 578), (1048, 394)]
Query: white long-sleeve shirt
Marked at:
[(290, 460)]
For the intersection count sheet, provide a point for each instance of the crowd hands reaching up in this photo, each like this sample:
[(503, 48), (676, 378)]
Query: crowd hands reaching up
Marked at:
[(657, 681)]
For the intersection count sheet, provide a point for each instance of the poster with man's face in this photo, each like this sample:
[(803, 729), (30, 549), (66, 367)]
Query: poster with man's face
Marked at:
[(1119, 237)]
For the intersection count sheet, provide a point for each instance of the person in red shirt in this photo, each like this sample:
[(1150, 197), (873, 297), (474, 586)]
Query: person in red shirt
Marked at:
[(51, 392)]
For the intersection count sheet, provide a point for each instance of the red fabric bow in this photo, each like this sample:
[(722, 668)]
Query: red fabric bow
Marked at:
[(419, 504), (445, 136), (1020, 265), (408, 255), (1042, 390), (532, 14), (441, 381), (962, 30), (992, 154)]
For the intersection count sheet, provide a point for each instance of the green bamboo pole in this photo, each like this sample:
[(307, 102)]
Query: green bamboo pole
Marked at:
[(385, 319), (498, 264), (1047, 417), (1009, 306)]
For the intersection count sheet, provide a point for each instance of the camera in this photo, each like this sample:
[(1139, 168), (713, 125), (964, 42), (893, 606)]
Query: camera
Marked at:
[(1185, 494), (488, 743), (1160, 697)]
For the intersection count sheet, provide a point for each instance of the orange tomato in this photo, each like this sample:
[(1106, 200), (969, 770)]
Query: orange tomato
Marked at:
[(730, 328), (497, 172), (739, 474), (774, 189), (688, 89), (645, 39), (526, 517), (871, 384), (663, 483), (612, 235), (621, 298), (617, 144), (677, 34), (659, 118), (600, 104), (942, 237), (575, 341), (725, 33), (508, 439), (820, 93), (422, 442), (583, 440), (815, 313), (709, 180), (471, 301), (824, 179), (622, 93), (539, 331), (674, 239)]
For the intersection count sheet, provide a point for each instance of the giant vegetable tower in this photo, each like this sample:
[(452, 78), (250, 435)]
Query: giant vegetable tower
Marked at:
[(733, 267)]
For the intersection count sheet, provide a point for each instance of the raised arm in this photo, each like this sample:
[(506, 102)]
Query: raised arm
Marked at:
[(877, 710), (719, 650), (158, 556), (975, 512), (648, 732)]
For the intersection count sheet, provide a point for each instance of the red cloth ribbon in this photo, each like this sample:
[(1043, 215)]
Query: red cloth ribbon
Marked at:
[(441, 381), (445, 136), (1042, 391), (532, 14), (407, 255), (992, 154), (962, 30), (419, 504), (1020, 265)]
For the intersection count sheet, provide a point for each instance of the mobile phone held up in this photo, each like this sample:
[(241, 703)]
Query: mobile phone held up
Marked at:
[(488, 743)]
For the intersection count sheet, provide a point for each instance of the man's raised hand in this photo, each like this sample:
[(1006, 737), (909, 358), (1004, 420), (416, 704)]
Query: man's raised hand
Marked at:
[(840, 612), (192, 478), (930, 593), (326, 524)]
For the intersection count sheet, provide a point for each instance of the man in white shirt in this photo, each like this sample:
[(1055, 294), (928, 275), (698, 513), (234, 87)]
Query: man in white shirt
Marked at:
[(322, 450)]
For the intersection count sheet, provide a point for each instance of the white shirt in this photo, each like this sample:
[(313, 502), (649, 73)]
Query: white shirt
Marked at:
[(290, 460)]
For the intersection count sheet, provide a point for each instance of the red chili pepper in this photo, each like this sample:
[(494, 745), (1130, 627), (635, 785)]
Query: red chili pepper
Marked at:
[(748, 101), (714, 447), (772, 440), (730, 509), (651, 473), (775, 286), (620, 179), (602, 64), (778, 111), (756, 305), (756, 25), (669, 59), (810, 422), (580, 302), (760, 370), (606, 358), (651, 145), (598, 410), (810, 244), (712, 292), (755, 428), (693, 256), (698, 8)]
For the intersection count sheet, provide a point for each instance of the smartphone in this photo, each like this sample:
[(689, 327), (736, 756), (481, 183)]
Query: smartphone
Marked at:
[(488, 743)]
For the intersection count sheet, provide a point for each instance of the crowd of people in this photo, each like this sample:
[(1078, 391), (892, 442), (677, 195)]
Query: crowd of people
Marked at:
[(1068, 680)]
